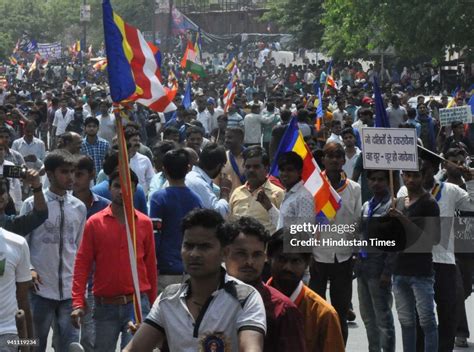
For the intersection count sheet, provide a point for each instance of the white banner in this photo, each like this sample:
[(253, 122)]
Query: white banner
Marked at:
[(50, 50), (389, 148), (459, 113)]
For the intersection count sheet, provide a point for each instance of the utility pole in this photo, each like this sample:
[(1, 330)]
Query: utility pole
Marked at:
[(153, 22), (85, 16)]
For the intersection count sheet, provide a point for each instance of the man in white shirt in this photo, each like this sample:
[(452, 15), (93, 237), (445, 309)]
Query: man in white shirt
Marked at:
[(298, 204), (107, 122), (54, 245), (253, 125), (211, 311), (334, 263), (214, 112), (31, 148), (15, 281), (336, 128), (139, 163), (62, 117), (396, 112), (352, 151), (338, 114), (203, 115)]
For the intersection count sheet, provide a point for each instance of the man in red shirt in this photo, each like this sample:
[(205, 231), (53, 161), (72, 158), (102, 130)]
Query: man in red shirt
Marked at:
[(105, 244), (245, 258)]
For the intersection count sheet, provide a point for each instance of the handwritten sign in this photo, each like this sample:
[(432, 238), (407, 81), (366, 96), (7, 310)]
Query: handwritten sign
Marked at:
[(50, 50), (389, 148), (460, 113)]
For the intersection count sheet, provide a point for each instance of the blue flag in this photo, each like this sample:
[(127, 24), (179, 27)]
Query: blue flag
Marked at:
[(319, 110), (381, 118), (471, 104), (187, 95)]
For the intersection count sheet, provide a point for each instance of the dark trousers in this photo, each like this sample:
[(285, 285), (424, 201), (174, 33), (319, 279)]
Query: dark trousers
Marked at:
[(465, 265), (445, 298), (340, 277)]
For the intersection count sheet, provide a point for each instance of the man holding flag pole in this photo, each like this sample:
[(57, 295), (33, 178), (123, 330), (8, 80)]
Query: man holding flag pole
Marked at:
[(133, 77)]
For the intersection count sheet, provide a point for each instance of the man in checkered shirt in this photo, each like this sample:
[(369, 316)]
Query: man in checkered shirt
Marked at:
[(93, 145)]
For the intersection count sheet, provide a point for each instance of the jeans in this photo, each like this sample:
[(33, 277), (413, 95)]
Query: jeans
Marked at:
[(376, 312), (88, 326), (445, 299), (340, 276), (44, 311), (111, 320), (4, 346), (416, 293)]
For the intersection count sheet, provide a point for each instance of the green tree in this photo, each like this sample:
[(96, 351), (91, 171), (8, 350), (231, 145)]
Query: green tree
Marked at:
[(416, 29), (58, 20), (302, 18)]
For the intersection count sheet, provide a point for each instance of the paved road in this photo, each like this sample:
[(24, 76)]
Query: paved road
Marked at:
[(357, 336)]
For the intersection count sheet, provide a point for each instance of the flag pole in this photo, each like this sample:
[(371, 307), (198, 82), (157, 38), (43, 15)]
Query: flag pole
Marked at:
[(392, 188), (127, 196)]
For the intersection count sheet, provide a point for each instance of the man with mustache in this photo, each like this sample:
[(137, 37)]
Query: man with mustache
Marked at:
[(245, 259), (211, 305), (321, 323), (258, 197)]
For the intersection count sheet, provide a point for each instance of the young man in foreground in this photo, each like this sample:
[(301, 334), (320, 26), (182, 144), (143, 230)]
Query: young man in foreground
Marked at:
[(211, 308)]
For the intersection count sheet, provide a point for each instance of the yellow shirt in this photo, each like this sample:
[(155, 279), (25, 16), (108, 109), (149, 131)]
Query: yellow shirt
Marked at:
[(244, 203)]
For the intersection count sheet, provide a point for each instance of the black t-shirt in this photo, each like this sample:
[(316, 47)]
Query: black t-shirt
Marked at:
[(423, 233)]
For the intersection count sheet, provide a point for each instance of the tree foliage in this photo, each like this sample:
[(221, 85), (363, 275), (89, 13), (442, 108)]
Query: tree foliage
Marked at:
[(414, 28), (302, 18), (357, 28), (58, 20)]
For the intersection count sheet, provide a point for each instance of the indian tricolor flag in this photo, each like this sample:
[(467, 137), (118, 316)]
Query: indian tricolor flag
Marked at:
[(191, 62), (326, 200)]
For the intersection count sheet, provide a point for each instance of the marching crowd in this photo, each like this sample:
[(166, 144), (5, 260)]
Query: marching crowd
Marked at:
[(212, 223)]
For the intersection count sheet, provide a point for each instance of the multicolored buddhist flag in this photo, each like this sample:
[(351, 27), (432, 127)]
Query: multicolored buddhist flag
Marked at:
[(326, 200), (131, 65), (13, 60), (132, 71), (191, 62), (329, 77), (229, 94)]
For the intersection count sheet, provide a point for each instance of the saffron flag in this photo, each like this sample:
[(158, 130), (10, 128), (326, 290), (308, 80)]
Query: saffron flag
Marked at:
[(33, 66), (381, 117), (229, 94), (326, 200), (131, 65), (191, 62)]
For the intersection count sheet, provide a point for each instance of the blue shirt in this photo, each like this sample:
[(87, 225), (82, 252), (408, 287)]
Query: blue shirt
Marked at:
[(168, 207), (139, 199), (201, 183), (96, 151), (98, 203)]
